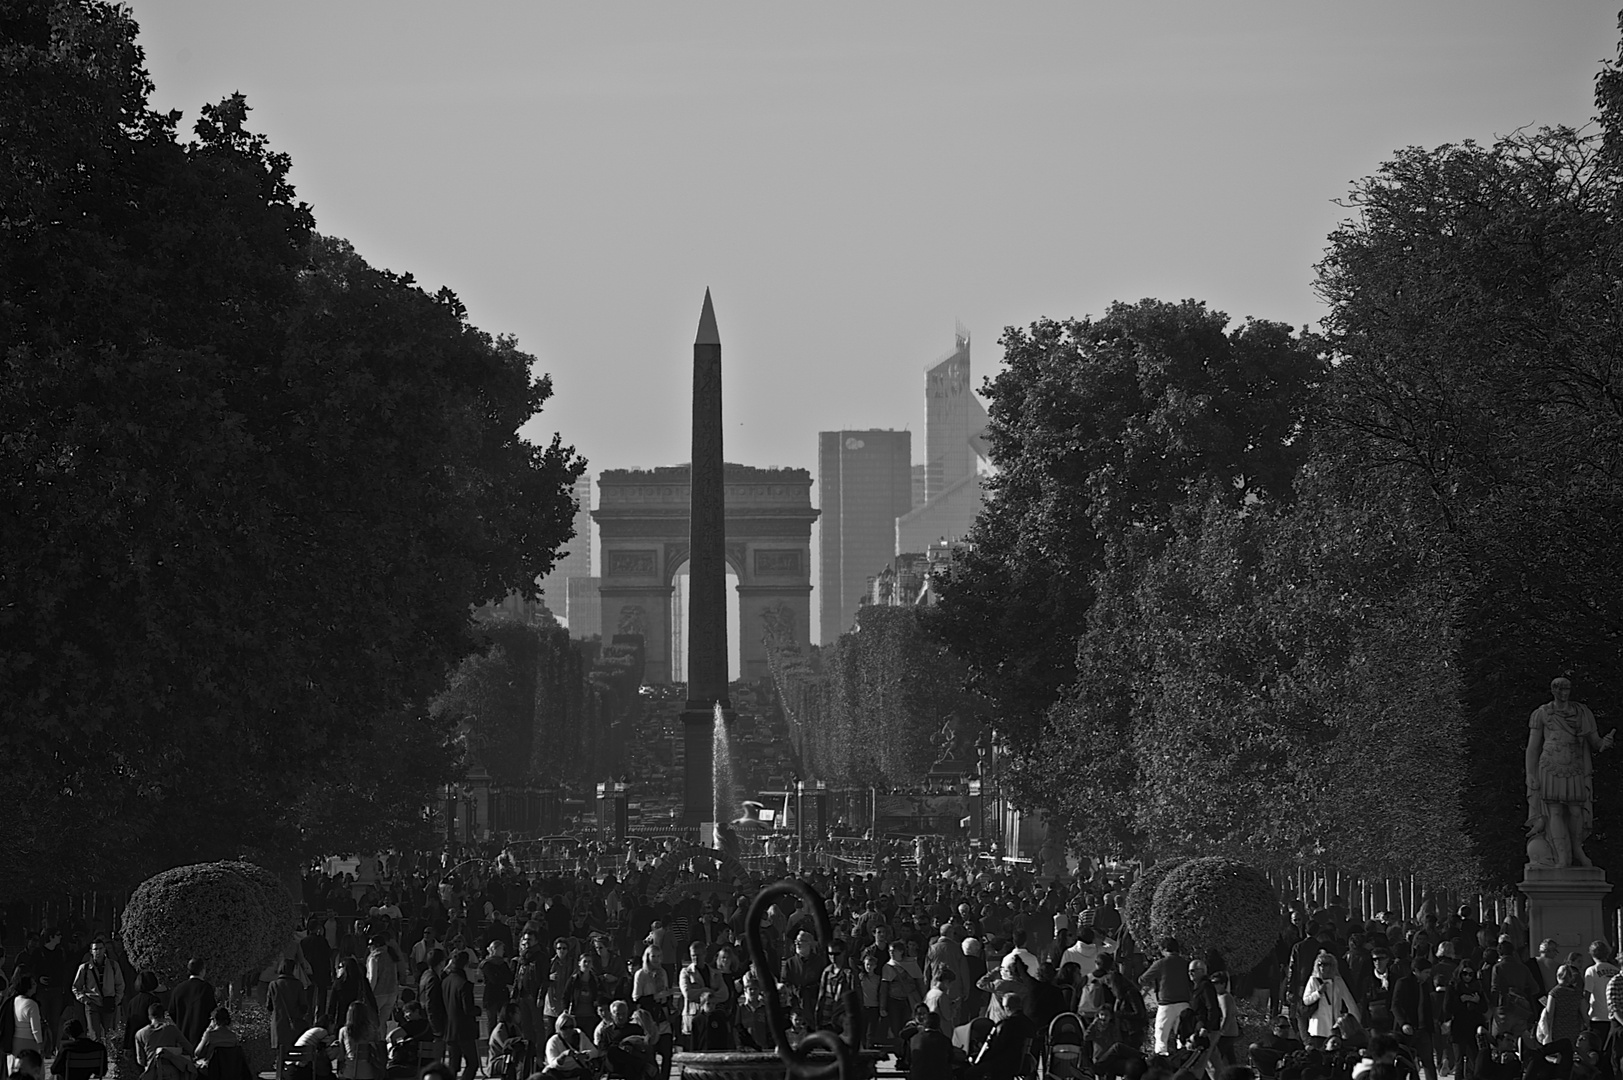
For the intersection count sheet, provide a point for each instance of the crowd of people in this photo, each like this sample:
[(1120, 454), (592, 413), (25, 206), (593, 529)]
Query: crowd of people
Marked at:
[(458, 966)]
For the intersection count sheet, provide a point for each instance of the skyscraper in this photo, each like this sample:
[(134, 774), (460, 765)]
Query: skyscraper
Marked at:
[(955, 451), (865, 482), (577, 562)]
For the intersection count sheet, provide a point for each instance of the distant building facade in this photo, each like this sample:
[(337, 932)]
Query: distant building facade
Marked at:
[(584, 609), (910, 578), (956, 454), (576, 561), (865, 482)]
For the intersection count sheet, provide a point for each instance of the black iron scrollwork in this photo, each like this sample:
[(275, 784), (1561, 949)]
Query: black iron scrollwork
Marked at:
[(799, 1059)]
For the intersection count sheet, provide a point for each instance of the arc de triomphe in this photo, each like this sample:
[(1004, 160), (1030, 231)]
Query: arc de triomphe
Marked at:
[(642, 520)]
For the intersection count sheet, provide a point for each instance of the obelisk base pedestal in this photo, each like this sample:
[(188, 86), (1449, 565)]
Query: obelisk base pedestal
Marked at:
[(1565, 904)]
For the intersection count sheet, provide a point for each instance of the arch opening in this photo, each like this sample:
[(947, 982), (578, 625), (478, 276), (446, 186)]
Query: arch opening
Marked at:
[(679, 625)]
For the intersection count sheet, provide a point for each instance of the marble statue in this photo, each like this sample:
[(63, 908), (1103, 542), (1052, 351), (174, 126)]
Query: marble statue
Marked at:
[(1561, 740)]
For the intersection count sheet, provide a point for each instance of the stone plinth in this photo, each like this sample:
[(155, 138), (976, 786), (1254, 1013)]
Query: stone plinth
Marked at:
[(1565, 904)]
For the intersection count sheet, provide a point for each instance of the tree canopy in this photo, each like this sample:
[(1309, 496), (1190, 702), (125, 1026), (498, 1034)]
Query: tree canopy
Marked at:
[(1337, 661), (1098, 427), (879, 705), (1474, 306), (253, 485)]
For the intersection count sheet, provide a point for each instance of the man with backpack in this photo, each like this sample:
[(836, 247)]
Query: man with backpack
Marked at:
[(99, 987)]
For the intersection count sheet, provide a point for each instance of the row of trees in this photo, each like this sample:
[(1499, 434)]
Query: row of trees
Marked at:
[(1290, 595), (536, 706), (877, 707), (252, 487)]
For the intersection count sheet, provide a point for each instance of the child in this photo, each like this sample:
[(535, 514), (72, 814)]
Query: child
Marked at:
[(1231, 1017), (754, 1033)]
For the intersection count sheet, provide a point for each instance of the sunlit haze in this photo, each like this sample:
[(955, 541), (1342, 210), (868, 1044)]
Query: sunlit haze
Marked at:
[(848, 179)]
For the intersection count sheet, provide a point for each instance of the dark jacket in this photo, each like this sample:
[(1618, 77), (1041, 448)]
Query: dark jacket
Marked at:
[(1204, 1003), (929, 1056), (1003, 1056), (1170, 977), (135, 1012), (192, 1005), (431, 992), (1377, 1003), (289, 1010), (1464, 1009), (347, 989), (318, 954), (1414, 1005), (461, 1016)]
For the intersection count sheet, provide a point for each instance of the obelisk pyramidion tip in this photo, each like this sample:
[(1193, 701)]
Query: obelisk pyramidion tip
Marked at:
[(707, 324)]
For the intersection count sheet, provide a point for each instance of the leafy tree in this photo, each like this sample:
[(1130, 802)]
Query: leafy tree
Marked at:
[(536, 706), (1473, 300), (1274, 684), (1097, 427), (253, 486), (878, 706)]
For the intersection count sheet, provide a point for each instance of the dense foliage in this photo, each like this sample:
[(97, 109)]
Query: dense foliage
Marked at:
[(538, 707), (253, 487), (1140, 898), (234, 916), (1334, 664), (1218, 905), (878, 706), (1279, 685), (1474, 301), (1098, 428)]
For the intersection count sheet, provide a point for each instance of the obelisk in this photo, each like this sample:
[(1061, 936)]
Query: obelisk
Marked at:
[(707, 578)]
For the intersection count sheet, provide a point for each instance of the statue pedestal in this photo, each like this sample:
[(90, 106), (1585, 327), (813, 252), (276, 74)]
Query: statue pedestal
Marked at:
[(1565, 904)]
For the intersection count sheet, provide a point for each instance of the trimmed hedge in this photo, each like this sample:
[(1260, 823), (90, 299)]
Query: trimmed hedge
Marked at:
[(1218, 903), (1136, 910), (234, 916)]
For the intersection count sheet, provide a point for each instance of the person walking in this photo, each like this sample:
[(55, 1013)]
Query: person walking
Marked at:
[(383, 975), (461, 1018), (1597, 976), (348, 989), (496, 974), (1168, 977), (1327, 998), (1566, 1012), (192, 1003), (1414, 1015), (98, 985), (21, 1024), (316, 956), (1464, 1010), (288, 1007)]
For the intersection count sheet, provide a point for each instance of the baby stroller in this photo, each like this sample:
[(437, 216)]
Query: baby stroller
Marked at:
[(1066, 1055)]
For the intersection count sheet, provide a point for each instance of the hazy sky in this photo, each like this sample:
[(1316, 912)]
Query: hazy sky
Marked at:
[(849, 179)]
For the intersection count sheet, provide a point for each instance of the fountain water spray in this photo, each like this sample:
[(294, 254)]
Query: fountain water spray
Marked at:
[(724, 798)]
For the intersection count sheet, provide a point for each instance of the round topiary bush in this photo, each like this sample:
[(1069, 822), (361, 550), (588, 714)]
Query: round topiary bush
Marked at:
[(233, 916), (1218, 903), (1136, 910)]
